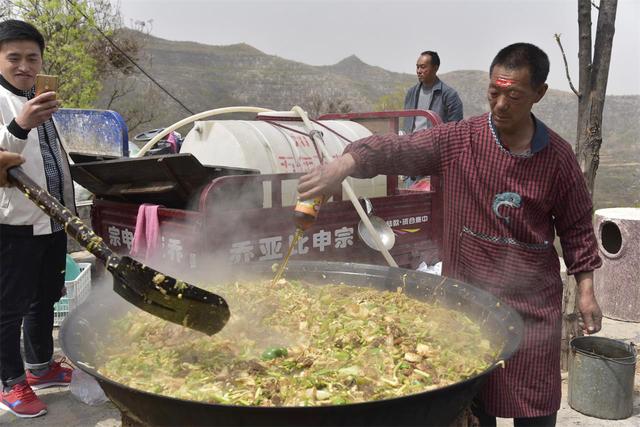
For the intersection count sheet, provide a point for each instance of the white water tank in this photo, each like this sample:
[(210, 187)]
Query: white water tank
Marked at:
[(276, 143)]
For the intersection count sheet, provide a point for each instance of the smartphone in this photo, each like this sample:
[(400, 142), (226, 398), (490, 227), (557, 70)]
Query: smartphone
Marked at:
[(45, 83)]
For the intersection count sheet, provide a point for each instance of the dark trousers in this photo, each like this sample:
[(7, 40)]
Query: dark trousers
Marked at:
[(487, 420), (31, 282)]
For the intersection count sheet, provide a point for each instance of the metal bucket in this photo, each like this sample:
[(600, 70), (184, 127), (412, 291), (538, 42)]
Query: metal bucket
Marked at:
[(601, 374)]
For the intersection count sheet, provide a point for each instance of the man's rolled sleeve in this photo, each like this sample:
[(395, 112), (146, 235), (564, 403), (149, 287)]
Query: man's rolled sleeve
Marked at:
[(15, 129), (414, 154), (573, 221), (13, 138), (425, 152)]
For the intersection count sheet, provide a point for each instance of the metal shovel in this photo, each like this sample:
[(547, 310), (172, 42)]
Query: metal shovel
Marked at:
[(142, 286)]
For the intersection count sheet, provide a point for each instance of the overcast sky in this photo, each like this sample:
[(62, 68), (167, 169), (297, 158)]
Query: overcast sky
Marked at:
[(390, 34)]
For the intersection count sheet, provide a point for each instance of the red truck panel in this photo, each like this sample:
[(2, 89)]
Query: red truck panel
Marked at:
[(231, 225)]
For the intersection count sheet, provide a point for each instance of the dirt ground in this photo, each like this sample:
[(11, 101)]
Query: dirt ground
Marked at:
[(65, 410)]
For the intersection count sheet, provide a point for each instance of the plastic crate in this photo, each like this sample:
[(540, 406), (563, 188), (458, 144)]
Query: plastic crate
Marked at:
[(77, 292)]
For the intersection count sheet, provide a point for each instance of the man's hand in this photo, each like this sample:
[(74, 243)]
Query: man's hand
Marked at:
[(326, 178), (590, 313), (8, 160), (38, 110)]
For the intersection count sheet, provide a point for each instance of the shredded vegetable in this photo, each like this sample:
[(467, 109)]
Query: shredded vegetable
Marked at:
[(294, 344)]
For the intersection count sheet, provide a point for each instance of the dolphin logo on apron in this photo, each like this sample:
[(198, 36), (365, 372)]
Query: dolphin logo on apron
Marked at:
[(512, 200)]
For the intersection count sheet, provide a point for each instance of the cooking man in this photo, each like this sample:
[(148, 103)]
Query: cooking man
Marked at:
[(33, 247), (509, 183)]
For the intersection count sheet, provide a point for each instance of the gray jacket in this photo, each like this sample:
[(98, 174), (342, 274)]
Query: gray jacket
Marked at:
[(445, 102)]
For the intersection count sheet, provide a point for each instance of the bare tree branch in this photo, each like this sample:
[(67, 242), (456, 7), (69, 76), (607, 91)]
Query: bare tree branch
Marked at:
[(112, 97), (595, 5), (584, 67), (566, 66)]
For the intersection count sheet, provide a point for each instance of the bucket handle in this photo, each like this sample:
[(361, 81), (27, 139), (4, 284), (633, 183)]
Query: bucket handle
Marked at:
[(632, 347)]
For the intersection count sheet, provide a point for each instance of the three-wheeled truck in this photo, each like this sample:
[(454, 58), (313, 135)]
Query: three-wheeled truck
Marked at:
[(228, 195)]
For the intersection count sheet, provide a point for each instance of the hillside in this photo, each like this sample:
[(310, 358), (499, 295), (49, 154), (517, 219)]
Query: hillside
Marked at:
[(204, 77)]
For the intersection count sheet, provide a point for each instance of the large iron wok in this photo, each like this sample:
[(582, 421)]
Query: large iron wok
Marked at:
[(504, 326)]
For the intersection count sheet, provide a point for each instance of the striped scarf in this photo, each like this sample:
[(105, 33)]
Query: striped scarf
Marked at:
[(51, 156)]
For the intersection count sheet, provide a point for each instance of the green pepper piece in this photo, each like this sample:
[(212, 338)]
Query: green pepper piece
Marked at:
[(274, 352), (342, 355)]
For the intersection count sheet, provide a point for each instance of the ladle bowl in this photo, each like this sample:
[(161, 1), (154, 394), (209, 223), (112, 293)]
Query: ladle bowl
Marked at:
[(383, 230)]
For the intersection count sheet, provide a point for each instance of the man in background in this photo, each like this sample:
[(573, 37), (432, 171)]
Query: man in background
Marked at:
[(431, 93)]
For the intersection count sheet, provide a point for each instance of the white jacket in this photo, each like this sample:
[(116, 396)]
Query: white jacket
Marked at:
[(15, 208)]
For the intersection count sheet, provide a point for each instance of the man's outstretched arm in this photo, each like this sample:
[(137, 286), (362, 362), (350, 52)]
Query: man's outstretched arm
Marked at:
[(326, 178)]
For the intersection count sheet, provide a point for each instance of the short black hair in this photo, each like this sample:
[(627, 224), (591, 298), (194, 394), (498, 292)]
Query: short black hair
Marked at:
[(520, 55), (14, 29), (435, 59)]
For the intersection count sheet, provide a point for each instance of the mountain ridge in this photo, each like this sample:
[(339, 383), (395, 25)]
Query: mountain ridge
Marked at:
[(206, 76)]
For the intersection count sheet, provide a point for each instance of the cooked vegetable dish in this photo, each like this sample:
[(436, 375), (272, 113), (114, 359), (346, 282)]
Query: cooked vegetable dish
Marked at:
[(295, 344)]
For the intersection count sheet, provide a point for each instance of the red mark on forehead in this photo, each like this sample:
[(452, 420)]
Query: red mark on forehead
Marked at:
[(502, 82)]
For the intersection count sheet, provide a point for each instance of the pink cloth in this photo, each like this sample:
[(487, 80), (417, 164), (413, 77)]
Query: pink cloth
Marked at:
[(147, 234), (423, 184), (171, 139)]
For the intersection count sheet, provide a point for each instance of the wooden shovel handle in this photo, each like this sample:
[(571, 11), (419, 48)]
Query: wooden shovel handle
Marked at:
[(53, 208)]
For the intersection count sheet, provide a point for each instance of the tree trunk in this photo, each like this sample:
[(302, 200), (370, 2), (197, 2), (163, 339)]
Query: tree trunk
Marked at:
[(592, 89), (584, 65), (570, 328), (593, 84)]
